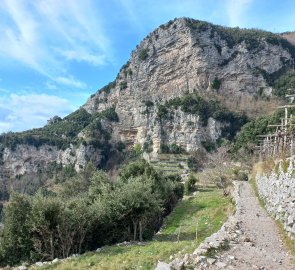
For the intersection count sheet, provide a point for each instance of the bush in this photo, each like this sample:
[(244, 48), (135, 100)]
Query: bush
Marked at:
[(190, 185), (192, 164), (209, 146), (243, 176), (162, 113), (143, 54), (123, 85), (148, 146), (171, 149), (84, 215), (148, 103), (195, 104), (216, 84), (108, 87)]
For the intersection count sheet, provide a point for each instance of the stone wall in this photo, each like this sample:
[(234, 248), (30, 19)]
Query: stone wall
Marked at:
[(277, 190)]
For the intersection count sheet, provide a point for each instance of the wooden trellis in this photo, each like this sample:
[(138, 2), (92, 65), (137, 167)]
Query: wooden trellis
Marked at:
[(281, 140)]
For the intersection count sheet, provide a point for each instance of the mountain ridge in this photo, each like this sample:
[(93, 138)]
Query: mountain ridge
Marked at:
[(186, 63)]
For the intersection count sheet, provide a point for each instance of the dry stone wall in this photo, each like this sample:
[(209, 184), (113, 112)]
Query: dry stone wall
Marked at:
[(277, 190)]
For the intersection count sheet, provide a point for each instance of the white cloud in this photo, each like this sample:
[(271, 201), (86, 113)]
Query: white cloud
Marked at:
[(70, 81), (83, 56), (20, 112), (236, 9), (44, 34)]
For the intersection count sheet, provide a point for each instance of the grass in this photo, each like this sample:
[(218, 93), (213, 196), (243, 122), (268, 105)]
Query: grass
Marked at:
[(209, 209)]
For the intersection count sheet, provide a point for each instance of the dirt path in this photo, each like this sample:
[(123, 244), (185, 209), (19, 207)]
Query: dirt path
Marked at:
[(256, 243)]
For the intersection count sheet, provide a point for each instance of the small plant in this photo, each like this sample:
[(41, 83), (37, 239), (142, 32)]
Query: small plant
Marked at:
[(143, 54), (192, 163), (148, 103), (171, 149), (148, 146), (123, 85), (137, 149), (284, 165), (242, 176), (209, 146), (120, 146), (216, 83), (190, 185), (163, 112)]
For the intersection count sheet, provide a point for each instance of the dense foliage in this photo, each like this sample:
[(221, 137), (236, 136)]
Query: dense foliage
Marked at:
[(247, 137), (143, 54), (236, 35), (195, 104), (107, 89), (87, 212), (171, 149), (284, 84), (60, 133)]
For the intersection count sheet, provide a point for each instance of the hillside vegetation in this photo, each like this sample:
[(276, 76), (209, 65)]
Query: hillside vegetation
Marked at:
[(205, 212), (85, 213), (64, 131)]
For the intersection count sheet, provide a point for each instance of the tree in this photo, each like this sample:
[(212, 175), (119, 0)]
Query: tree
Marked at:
[(17, 243), (138, 202)]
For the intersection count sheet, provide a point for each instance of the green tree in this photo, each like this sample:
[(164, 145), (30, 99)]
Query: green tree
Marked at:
[(16, 244)]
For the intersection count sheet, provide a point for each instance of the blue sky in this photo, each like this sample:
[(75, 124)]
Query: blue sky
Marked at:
[(55, 53)]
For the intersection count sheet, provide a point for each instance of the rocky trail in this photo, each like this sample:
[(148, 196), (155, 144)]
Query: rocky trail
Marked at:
[(248, 240), (257, 244)]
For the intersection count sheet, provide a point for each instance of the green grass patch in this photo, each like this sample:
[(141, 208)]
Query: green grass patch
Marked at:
[(209, 209)]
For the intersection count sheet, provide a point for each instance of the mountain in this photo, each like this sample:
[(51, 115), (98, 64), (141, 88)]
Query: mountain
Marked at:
[(188, 85)]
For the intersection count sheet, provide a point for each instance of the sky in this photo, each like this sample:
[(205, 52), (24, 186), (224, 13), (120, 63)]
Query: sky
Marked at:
[(55, 53)]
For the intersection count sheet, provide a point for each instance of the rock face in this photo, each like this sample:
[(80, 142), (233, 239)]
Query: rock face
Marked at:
[(277, 190), (28, 158), (179, 58), (183, 57)]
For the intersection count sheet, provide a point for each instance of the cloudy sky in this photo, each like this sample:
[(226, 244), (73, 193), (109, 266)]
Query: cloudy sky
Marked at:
[(55, 53)]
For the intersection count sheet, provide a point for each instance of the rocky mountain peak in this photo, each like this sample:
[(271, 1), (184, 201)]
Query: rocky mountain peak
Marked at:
[(185, 87)]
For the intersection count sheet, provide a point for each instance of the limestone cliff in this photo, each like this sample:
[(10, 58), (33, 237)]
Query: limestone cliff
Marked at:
[(181, 58), (187, 56)]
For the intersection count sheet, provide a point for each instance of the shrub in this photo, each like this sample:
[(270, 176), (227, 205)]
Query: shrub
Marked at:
[(216, 83), (109, 114), (190, 185), (192, 164), (93, 213), (120, 146), (148, 103), (242, 176), (148, 146), (209, 145), (123, 85), (171, 149), (108, 87), (284, 165), (143, 54), (162, 112), (137, 149)]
